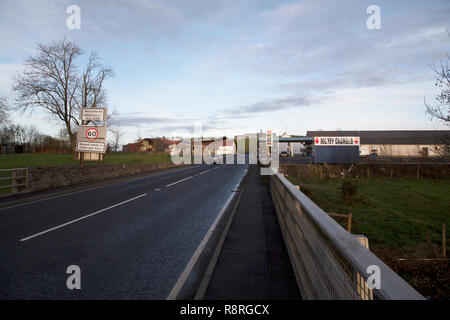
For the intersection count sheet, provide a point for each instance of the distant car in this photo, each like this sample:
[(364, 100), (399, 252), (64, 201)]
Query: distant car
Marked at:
[(284, 154)]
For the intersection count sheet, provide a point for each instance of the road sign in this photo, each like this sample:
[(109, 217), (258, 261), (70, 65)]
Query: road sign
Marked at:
[(336, 141), (91, 133), (269, 138), (93, 114), (98, 146)]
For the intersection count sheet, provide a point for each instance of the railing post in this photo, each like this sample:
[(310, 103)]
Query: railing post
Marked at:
[(444, 240), (26, 180), (349, 222), (14, 182)]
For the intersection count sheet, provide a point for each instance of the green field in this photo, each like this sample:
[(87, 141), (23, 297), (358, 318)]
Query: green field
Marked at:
[(53, 159), (394, 213)]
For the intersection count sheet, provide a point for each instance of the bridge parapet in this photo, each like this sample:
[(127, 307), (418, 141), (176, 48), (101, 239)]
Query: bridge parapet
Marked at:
[(329, 262)]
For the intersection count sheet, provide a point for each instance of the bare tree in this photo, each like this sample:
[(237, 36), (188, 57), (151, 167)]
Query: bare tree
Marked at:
[(52, 81), (117, 134), (4, 119), (92, 91), (441, 110), (30, 133)]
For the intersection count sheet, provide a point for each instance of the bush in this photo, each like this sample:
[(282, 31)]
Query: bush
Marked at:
[(306, 191), (349, 188)]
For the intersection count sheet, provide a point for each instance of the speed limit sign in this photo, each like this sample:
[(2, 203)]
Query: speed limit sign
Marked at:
[(91, 134)]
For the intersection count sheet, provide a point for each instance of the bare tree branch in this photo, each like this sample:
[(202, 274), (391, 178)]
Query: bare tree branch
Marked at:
[(4, 117), (441, 110)]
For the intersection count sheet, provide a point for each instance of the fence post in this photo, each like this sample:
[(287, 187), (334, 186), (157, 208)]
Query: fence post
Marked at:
[(444, 240), (26, 180), (368, 172), (418, 173), (14, 182), (349, 222)]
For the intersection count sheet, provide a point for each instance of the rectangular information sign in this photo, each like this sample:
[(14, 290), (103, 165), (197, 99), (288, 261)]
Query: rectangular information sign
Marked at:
[(87, 146), (93, 114), (336, 141)]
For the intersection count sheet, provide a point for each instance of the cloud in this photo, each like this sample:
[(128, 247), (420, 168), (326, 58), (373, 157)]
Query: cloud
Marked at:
[(141, 120), (175, 58), (272, 105), (6, 72)]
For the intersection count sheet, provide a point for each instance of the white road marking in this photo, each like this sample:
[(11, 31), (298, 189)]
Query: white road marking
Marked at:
[(179, 181), (205, 171), (157, 189), (81, 218)]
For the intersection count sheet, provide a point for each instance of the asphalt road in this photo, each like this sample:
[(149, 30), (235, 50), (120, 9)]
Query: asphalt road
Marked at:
[(131, 239)]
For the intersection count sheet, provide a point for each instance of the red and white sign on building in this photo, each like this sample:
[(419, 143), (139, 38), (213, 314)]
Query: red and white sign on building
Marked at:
[(336, 141)]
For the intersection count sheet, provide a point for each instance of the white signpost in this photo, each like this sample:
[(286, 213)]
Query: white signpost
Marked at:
[(91, 139)]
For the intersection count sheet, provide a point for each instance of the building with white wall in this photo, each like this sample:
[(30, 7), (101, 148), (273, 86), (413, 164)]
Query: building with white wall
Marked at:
[(396, 143)]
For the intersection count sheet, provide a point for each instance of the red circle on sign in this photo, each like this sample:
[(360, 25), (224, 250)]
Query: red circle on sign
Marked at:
[(317, 140), (91, 137)]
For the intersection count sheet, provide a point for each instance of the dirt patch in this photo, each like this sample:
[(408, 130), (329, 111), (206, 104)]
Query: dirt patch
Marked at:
[(429, 277)]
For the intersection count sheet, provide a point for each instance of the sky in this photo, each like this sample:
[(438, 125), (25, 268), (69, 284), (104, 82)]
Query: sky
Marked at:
[(233, 67)]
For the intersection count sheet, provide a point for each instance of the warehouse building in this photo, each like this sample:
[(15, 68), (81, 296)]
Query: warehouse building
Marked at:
[(396, 143)]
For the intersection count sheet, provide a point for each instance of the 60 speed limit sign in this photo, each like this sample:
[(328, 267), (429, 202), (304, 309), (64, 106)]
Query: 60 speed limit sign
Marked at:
[(91, 134)]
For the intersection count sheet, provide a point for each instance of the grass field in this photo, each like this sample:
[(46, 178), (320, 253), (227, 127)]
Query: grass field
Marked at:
[(53, 159), (394, 213)]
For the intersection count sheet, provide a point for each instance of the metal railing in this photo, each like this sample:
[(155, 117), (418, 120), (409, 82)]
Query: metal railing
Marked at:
[(329, 262), (16, 181)]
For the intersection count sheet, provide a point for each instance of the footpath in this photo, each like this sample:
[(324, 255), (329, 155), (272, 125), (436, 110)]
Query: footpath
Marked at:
[(253, 263)]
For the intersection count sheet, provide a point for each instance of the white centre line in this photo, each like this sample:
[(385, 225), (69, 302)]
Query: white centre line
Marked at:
[(83, 217), (205, 171), (179, 181)]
